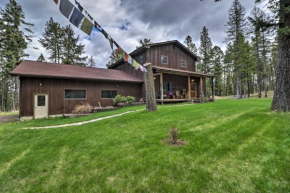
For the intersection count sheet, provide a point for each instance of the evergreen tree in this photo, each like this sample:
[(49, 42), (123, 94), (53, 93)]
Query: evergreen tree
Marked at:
[(190, 45), (205, 51), (236, 29), (280, 8), (15, 35), (72, 51), (144, 42), (41, 58), (217, 62), (91, 62), (113, 58), (52, 40)]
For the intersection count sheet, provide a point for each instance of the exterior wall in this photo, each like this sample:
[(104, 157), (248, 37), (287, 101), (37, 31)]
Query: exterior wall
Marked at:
[(130, 70), (174, 54), (55, 89)]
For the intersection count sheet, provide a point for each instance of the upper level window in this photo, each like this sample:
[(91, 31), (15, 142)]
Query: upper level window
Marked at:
[(141, 59), (108, 94), (183, 63), (164, 60), (75, 94)]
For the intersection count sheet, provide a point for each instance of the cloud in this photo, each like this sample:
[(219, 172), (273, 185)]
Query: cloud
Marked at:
[(129, 20)]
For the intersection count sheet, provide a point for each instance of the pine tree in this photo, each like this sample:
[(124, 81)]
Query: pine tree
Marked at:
[(144, 42), (71, 50), (255, 21), (217, 62), (15, 35), (190, 45), (113, 58), (280, 8), (236, 29), (205, 51), (41, 58), (52, 40), (91, 62)]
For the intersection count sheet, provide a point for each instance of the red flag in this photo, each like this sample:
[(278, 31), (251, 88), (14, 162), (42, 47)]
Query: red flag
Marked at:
[(126, 57), (56, 1)]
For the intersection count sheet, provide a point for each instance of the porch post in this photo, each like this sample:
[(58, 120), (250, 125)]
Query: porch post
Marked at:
[(161, 85), (200, 89), (212, 87), (189, 88)]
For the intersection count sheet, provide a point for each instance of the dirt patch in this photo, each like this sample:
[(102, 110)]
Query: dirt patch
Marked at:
[(9, 118), (178, 143)]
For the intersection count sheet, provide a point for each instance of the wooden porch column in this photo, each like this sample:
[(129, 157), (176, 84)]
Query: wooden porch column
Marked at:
[(189, 88), (161, 85), (149, 88), (212, 87), (200, 89)]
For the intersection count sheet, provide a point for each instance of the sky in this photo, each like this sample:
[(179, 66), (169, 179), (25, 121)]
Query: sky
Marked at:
[(127, 21)]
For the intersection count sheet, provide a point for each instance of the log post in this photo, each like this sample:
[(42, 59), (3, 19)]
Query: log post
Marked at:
[(212, 87), (189, 87), (149, 88), (161, 87)]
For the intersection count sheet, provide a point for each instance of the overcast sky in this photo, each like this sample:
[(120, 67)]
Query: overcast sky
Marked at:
[(129, 20)]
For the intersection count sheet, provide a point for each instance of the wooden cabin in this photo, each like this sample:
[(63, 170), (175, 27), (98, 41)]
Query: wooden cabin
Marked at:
[(48, 89), (174, 71)]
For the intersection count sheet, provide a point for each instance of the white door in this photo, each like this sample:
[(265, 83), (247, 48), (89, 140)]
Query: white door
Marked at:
[(40, 106)]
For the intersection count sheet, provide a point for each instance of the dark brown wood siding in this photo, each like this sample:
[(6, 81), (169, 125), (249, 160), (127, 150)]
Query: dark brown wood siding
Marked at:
[(55, 89), (130, 70), (174, 54)]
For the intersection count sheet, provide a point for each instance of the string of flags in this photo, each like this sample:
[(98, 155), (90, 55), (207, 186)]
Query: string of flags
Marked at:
[(80, 18)]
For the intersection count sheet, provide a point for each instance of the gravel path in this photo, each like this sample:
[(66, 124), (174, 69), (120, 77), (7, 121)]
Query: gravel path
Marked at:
[(98, 119)]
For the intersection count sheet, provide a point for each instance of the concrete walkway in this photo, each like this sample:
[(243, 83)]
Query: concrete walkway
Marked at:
[(98, 119)]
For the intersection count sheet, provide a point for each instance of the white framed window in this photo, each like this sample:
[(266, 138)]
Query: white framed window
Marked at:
[(183, 63), (164, 60)]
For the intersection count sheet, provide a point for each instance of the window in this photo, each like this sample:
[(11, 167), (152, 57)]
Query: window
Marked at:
[(141, 59), (40, 100), (164, 60), (75, 94), (108, 94), (183, 63)]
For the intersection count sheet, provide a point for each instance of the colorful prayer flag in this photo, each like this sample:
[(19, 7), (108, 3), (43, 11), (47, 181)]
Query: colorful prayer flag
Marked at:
[(126, 57), (66, 8), (87, 26), (111, 43), (76, 17)]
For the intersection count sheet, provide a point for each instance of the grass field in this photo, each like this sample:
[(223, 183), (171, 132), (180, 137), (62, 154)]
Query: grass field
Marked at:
[(232, 146)]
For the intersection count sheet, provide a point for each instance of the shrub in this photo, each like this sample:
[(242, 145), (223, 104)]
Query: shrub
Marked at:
[(119, 99), (83, 108), (130, 99)]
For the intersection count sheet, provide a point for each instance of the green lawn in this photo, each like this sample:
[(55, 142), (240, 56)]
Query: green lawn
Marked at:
[(232, 146)]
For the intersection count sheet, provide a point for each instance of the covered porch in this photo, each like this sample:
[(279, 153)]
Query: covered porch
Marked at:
[(173, 85)]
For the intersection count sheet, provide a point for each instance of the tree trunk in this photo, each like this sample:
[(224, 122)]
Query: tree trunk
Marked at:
[(264, 65), (281, 101), (149, 88)]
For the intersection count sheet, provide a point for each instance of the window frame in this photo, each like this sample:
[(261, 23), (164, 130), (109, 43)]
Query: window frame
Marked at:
[(109, 90), (166, 59), (75, 89), (185, 63)]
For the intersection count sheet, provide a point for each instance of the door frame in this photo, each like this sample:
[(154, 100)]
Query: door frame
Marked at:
[(195, 96), (46, 94)]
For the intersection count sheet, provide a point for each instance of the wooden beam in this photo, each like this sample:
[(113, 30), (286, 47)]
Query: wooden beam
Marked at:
[(161, 85), (200, 89), (157, 74), (189, 87), (212, 87)]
